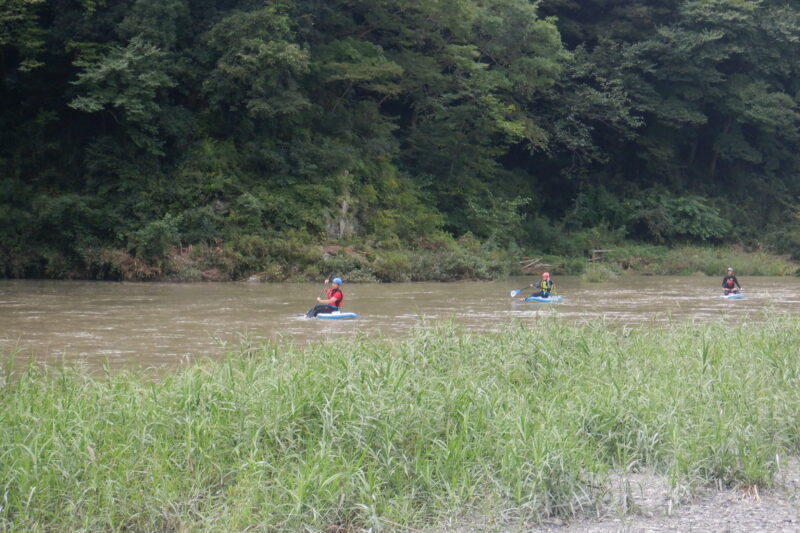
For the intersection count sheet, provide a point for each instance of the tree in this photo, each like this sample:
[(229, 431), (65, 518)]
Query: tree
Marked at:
[(124, 84)]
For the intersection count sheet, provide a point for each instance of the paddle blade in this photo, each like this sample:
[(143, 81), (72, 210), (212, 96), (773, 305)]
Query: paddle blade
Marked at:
[(515, 292)]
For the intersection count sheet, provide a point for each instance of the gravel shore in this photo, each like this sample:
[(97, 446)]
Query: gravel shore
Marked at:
[(644, 503)]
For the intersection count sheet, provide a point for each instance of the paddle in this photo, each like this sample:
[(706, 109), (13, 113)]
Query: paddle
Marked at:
[(517, 291)]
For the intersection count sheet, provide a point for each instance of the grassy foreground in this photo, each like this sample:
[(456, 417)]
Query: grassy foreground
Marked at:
[(521, 424)]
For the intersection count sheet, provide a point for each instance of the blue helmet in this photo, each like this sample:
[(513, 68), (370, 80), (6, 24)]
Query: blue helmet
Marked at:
[(337, 281)]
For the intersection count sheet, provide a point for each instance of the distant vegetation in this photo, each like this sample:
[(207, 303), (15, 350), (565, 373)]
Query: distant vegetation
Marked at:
[(198, 139), (513, 426)]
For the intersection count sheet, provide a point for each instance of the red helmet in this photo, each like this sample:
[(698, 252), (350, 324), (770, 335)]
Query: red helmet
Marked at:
[(546, 275)]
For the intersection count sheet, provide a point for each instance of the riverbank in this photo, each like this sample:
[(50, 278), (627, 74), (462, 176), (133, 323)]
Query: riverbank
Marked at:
[(682, 261), (467, 259), (445, 259), (367, 433)]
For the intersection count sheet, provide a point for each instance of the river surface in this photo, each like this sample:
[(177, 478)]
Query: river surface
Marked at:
[(163, 325)]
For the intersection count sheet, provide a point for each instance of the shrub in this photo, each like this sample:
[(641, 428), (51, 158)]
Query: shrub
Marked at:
[(198, 225), (393, 266), (786, 240), (154, 239), (597, 272), (582, 242), (658, 215)]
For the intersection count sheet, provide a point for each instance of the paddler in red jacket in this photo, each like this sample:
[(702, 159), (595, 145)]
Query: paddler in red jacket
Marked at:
[(730, 285), (332, 303)]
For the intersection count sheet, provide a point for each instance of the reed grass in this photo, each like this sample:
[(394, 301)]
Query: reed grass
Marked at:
[(365, 433), (598, 272), (712, 261)]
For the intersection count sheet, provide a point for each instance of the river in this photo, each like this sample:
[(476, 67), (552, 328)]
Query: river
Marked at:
[(164, 325)]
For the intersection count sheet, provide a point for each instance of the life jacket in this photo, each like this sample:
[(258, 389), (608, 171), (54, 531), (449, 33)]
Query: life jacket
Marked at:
[(729, 282), (339, 297), (545, 285)]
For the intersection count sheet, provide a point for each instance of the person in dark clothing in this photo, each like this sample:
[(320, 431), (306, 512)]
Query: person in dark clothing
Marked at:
[(730, 285), (545, 286), (330, 304)]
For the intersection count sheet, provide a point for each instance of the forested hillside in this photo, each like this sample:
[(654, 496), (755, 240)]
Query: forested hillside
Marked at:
[(199, 139)]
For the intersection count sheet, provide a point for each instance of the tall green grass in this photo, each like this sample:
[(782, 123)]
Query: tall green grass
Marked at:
[(681, 260), (599, 272), (711, 261), (521, 424)]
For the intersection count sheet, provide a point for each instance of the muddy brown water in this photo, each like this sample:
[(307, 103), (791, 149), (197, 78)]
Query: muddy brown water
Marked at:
[(162, 325)]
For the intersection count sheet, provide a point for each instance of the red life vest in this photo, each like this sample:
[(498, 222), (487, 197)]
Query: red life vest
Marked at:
[(337, 294)]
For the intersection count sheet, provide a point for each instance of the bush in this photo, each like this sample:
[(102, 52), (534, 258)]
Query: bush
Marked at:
[(346, 263), (446, 265), (787, 240), (575, 265), (251, 254), (543, 235), (154, 239), (102, 264), (393, 266), (658, 215), (498, 221), (582, 242), (597, 272), (198, 225)]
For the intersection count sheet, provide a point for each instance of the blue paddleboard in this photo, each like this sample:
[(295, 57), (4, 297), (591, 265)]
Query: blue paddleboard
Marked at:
[(733, 296), (336, 315), (549, 299)]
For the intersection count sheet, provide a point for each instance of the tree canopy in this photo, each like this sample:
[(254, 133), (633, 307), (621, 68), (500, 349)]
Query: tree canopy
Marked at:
[(132, 131)]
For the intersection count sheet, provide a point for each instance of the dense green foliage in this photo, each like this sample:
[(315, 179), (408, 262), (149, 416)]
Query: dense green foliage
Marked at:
[(363, 433), (140, 138)]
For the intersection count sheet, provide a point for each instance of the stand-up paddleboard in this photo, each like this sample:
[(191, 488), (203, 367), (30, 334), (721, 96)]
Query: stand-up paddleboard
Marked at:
[(337, 315), (541, 299), (733, 296)]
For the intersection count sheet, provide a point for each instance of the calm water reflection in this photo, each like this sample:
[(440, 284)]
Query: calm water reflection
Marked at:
[(163, 325)]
